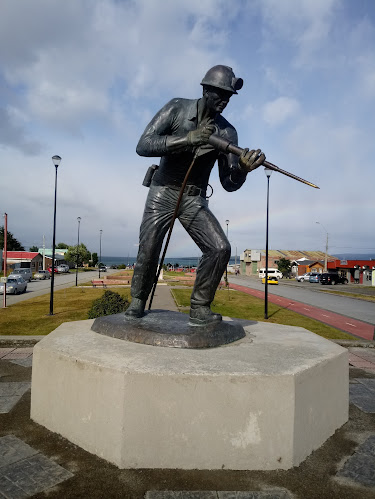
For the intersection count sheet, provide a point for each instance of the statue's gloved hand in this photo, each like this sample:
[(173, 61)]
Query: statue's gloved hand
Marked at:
[(249, 160), (200, 136)]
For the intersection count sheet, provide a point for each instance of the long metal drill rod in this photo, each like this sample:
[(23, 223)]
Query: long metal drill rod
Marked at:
[(226, 146)]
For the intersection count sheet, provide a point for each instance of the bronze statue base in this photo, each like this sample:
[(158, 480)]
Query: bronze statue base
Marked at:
[(169, 329)]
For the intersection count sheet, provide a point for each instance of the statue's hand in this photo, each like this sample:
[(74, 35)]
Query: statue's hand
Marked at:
[(200, 136), (249, 160)]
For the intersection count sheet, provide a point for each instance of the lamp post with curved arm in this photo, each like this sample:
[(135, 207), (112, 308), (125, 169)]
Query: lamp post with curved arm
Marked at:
[(326, 255), (268, 173), (100, 249)]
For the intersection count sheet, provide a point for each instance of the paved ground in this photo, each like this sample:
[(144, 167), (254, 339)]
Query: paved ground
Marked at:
[(37, 463), (346, 323), (316, 295), (38, 288)]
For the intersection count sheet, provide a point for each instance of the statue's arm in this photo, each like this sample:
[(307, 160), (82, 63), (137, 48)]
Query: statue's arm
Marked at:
[(232, 177), (158, 138)]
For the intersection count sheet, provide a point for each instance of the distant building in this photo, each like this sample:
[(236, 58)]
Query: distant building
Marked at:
[(24, 259), (356, 271), (252, 260)]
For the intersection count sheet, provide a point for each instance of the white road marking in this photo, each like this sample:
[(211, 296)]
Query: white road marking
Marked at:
[(350, 324)]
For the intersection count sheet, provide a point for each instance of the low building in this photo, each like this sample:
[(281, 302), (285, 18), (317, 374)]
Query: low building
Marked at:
[(24, 259), (252, 260), (356, 271)]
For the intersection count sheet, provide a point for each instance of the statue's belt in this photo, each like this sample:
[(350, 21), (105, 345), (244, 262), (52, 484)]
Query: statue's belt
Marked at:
[(190, 190)]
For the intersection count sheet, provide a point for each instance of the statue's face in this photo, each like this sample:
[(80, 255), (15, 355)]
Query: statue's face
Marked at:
[(217, 99)]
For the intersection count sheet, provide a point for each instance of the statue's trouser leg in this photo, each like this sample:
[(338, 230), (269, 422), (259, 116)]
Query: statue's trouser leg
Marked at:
[(201, 225), (157, 216), (208, 234)]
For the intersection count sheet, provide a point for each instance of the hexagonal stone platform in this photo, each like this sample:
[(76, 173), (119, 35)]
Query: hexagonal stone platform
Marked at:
[(263, 402)]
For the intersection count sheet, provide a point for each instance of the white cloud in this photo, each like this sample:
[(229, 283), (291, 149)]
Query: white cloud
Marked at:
[(81, 78), (279, 110)]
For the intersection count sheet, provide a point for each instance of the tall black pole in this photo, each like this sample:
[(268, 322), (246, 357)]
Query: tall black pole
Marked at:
[(56, 160), (226, 268), (100, 250), (266, 282), (77, 259)]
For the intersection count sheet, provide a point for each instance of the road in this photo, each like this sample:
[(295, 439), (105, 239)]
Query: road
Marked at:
[(37, 288), (312, 294)]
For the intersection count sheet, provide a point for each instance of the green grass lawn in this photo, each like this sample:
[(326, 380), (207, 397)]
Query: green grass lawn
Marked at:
[(31, 316), (237, 304)]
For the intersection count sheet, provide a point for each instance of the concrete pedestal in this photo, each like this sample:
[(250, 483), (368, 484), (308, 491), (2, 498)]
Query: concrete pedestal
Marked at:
[(262, 403)]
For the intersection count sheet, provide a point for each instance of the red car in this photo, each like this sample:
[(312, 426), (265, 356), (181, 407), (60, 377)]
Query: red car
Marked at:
[(50, 270)]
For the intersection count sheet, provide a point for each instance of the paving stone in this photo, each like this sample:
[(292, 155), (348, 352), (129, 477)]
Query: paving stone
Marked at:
[(13, 449), (5, 351), (23, 362), (26, 350), (362, 395), (365, 353), (212, 494), (30, 476), (368, 383), (270, 494), (15, 355), (181, 494), (10, 394), (360, 467)]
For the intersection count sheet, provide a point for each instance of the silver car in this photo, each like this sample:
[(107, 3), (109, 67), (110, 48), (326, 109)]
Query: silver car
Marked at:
[(303, 277), (14, 286), (42, 274)]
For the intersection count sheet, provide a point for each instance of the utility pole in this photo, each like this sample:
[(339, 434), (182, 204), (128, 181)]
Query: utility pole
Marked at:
[(5, 259), (44, 252)]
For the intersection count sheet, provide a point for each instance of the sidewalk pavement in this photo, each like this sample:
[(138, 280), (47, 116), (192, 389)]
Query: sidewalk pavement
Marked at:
[(35, 462)]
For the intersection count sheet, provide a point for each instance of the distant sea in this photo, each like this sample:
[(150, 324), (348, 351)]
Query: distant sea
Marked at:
[(183, 261)]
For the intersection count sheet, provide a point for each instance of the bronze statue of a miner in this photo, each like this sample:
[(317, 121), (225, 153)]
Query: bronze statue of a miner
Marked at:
[(178, 133)]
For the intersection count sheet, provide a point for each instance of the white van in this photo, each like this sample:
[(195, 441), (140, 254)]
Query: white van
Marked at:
[(271, 272)]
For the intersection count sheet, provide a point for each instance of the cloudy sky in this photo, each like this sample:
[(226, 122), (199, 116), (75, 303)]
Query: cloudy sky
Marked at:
[(82, 78)]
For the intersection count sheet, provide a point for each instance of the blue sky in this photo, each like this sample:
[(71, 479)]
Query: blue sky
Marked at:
[(82, 78)]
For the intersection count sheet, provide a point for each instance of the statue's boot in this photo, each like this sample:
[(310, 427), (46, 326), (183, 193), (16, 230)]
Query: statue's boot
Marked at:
[(203, 315), (136, 308)]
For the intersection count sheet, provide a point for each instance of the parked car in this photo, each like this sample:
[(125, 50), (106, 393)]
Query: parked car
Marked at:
[(50, 270), (303, 277), (271, 280), (102, 268), (63, 268), (332, 278), (271, 271), (42, 274), (26, 274), (14, 285), (314, 277)]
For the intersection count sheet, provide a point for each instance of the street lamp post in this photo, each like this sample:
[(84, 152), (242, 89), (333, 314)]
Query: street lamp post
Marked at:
[(77, 259), (226, 268), (326, 255), (56, 161), (268, 173), (100, 250)]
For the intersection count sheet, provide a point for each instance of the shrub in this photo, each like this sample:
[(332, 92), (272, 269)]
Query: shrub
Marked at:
[(109, 303)]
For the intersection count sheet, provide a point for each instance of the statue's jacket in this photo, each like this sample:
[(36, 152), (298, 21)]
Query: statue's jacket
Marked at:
[(177, 118)]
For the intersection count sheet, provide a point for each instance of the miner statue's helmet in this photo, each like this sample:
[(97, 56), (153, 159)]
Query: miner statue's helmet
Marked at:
[(222, 77)]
